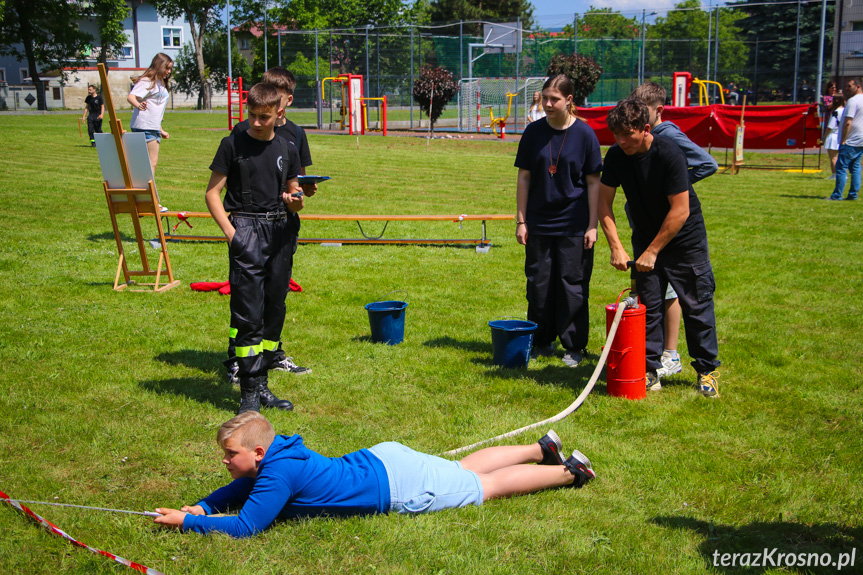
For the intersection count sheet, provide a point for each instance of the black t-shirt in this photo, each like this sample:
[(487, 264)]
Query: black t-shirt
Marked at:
[(647, 180), (265, 162), (557, 205), (289, 131), (94, 104)]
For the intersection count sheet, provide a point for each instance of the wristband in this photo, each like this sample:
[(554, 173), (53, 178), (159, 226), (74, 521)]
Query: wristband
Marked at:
[(520, 223)]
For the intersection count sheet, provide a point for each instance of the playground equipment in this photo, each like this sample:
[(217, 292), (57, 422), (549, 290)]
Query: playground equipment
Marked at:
[(236, 101), (382, 115), (351, 103), (703, 100), (682, 89), (501, 122)]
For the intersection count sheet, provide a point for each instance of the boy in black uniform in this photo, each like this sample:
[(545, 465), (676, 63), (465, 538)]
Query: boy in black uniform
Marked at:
[(259, 169), (94, 109), (285, 82), (668, 237)]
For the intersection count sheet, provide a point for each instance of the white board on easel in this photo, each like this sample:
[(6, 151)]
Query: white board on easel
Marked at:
[(136, 154)]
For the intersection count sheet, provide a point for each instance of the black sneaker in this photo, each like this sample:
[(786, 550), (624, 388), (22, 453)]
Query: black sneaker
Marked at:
[(287, 364), (579, 465), (551, 447)]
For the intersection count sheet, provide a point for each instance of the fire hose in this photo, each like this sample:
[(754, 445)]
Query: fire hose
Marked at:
[(612, 331)]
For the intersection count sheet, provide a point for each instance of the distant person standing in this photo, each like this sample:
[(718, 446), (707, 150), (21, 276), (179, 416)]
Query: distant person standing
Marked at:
[(536, 111), (94, 110), (831, 141), (850, 141)]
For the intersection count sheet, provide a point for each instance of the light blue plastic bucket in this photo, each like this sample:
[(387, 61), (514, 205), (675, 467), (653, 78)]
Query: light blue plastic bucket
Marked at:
[(387, 321), (511, 340)]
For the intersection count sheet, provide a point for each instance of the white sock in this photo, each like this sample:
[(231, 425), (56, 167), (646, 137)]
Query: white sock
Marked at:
[(672, 353)]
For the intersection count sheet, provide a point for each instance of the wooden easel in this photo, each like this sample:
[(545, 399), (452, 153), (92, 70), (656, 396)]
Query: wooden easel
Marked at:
[(138, 202)]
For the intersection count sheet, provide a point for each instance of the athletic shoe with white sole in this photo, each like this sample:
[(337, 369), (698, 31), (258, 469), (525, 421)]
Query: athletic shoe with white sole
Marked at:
[(579, 465), (551, 449), (707, 384), (287, 364), (670, 365), (653, 383), (572, 358)]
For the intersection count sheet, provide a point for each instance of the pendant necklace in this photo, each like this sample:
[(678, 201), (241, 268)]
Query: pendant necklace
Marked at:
[(552, 168)]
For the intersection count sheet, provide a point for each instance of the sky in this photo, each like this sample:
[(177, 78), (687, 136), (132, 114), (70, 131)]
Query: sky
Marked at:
[(556, 14)]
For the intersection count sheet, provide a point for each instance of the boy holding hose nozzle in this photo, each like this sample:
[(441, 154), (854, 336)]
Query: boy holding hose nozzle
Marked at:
[(669, 240)]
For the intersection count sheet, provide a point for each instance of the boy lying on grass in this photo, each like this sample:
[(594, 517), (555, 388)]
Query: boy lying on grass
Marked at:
[(277, 477)]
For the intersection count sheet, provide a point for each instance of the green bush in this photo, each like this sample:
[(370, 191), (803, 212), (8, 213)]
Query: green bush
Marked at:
[(582, 70)]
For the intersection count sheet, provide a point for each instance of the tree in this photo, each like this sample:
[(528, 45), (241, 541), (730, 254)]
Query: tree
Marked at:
[(201, 15), (774, 25), (186, 75), (490, 10), (687, 28), (606, 23), (109, 15), (434, 88), (43, 32), (583, 71)]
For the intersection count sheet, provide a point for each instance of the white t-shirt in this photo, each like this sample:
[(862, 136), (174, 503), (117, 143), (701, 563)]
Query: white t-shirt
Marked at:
[(853, 110), (535, 114), (157, 100)]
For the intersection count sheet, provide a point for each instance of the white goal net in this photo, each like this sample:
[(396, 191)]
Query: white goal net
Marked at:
[(480, 97)]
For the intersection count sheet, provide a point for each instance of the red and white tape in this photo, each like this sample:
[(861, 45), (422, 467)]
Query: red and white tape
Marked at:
[(57, 531)]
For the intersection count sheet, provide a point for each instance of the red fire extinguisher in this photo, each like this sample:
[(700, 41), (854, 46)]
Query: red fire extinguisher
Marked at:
[(627, 358)]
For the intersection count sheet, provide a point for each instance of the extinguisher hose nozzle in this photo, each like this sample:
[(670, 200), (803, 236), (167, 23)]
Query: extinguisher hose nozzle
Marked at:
[(630, 302)]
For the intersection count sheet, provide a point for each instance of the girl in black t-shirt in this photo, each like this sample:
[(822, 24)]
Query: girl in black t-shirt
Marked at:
[(559, 162)]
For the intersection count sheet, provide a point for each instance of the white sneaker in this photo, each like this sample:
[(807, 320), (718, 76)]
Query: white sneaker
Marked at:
[(670, 365)]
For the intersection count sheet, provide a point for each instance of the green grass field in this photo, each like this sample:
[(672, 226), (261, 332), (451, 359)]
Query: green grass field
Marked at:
[(113, 399)]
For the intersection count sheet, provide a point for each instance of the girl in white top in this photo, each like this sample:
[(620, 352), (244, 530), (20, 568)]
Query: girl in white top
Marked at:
[(536, 111), (831, 142), (149, 98)]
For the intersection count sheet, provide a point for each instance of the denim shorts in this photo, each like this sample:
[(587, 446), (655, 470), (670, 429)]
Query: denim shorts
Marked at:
[(420, 483), (150, 135)]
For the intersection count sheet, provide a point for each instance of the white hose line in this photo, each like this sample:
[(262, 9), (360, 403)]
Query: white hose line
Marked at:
[(575, 404)]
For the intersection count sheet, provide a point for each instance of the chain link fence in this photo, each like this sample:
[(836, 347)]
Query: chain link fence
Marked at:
[(778, 65)]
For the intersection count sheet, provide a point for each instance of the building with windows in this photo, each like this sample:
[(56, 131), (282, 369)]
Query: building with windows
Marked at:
[(148, 33)]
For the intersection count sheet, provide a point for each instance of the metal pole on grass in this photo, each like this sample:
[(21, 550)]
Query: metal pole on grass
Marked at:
[(821, 51), (228, 22), (517, 61), (319, 94), (279, 43), (411, 87), (574, 35), (709, 37), (796, 57), (266, 63)]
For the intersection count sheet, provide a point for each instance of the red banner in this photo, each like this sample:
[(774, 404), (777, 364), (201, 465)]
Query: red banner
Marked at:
[(767, 127)]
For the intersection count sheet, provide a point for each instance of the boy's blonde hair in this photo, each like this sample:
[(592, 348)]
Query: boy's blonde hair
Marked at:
[(250, 428), (281, 79), (650, 93)]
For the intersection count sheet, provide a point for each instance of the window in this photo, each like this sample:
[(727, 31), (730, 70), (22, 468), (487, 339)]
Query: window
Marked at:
[(55, 93), (24, 73), (857, 26), (126, 52), (244, 43), (2, 75), (172, 37)]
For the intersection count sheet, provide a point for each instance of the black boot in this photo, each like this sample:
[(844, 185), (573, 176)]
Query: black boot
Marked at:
[(268, 399), (249, 400)]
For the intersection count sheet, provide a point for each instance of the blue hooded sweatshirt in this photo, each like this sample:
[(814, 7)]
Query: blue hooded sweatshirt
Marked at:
[(294, 481)]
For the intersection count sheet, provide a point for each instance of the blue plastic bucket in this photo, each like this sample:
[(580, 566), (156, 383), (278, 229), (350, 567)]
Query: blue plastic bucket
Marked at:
[(387, 320), (511, 340)]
